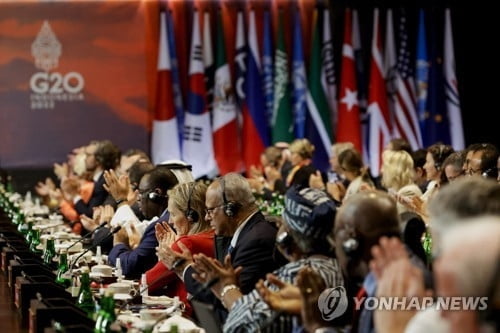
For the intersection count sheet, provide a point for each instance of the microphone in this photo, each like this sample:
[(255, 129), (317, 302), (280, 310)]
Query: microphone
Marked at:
[(88, 234), (114, 231)]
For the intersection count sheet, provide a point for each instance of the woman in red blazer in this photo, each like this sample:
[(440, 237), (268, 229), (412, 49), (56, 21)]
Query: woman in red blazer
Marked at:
[(186, 206)]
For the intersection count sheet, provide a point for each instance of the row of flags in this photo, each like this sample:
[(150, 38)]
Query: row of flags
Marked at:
[(275, 96)]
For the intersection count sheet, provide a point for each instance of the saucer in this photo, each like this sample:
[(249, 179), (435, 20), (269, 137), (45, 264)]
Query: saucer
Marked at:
[(122, 297)]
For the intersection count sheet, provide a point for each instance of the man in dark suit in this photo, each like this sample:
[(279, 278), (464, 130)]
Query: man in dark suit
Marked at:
[(241, 231)]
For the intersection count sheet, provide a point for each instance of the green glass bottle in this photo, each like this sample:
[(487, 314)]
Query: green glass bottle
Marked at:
[(85, 299), (106, 315), (35, 241), (62, 277), (22, 225), (427, 245), (14, 210), (29, 233), (2, 193), (50, 251)]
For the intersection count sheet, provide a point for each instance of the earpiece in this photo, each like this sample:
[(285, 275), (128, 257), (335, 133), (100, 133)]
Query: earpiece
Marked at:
[(190, 213), (350, 246), (487, 173), (156, 196), (285, 242), (230, 207)]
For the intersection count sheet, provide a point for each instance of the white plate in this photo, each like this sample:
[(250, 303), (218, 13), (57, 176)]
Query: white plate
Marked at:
[(122, 297), (161, 300)]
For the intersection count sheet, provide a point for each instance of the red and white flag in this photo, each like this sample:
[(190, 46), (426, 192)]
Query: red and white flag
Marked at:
[(225, 122), (380, 128), (165, 137), (451, 89), (198, 147), (349, 123)]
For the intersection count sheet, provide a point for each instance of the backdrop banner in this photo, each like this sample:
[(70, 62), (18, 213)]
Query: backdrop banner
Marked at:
[(70, 72)]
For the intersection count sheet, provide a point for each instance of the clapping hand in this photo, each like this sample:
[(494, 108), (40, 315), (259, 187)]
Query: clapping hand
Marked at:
[(134, 237), (311, 285), (209, 269), (164, 234), (119, 188), (286, 298), (171, 258)]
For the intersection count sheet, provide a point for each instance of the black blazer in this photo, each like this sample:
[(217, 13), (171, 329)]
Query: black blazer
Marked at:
[(254, 251)]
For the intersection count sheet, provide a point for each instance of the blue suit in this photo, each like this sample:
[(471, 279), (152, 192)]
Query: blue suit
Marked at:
[(138, 261)]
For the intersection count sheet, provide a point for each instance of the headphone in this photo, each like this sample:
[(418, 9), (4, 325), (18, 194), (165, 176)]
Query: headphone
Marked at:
[(438, 163), (190, 213), (156, 196), (230, 207), (488, 173), (285, 241), (351, 245)]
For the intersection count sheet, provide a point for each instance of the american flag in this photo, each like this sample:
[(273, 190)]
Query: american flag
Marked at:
[(406, 123)]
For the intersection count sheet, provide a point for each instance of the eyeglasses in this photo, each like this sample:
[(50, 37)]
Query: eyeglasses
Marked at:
[(210, 211)]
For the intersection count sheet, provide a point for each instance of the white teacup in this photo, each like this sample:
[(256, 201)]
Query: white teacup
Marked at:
[(103, 270), (119, 288)]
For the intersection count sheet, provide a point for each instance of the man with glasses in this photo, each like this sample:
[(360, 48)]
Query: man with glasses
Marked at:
[(241, 231), (483, 161)]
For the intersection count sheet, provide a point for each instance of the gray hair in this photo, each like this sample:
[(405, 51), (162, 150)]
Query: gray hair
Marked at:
[(237, 189), (465, 198), (471, 252)]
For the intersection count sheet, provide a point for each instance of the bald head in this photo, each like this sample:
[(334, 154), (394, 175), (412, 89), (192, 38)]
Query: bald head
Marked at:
[(371, 214), (365, 217)]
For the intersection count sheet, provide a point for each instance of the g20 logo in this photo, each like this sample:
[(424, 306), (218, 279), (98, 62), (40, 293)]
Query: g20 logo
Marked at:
[(56, 83)]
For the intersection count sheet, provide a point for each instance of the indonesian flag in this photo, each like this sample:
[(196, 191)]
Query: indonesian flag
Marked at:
[(378, 109), (165, 137), (349, 123), (198, 148)]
